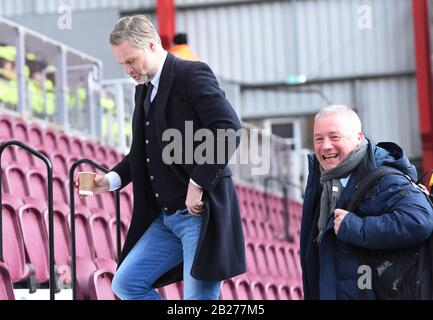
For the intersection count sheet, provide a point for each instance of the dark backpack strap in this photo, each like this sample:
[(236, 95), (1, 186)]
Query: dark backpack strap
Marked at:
[(366, 183)]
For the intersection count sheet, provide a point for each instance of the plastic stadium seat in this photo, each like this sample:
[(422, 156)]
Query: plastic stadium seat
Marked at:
[(296, 293), (50, 140), (125, 204), (76, 147), (35, 239), (243, 289), (273, 265), (261, 259), (100, 152), (108, 264), (37, 184), (83, 234), (173, 291), (24, 158), (60, 193), (228, 290), (8, 156), (6, 288), (124, 225), (6, 128), (15, 181), (284, 292), (293, 260), (35, 134), (20, 131), (63, 144), (108, 202), (245, 227), (101, 236), (89, 150), (251, 258), (100, 285), (112, 156), (92, 202), (258, 291), (62, 236), (59, 164), (272, 293), (287, 271), (85, 269), (13, 244)]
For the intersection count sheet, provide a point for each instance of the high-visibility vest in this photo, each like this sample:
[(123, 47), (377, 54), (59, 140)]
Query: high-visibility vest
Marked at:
[(183, 51)]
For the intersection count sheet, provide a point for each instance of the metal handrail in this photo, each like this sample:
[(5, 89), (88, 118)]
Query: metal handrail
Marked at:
[(285, 184), (50, 207), (72, 217)]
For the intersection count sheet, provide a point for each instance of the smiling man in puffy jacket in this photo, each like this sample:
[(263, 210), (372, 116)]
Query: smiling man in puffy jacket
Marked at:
[(393, 214)]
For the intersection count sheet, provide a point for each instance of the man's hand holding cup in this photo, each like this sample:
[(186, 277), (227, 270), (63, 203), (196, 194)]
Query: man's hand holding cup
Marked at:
[(89, 183)]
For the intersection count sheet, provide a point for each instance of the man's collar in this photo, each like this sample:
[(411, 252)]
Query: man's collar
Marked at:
[(155, 80)]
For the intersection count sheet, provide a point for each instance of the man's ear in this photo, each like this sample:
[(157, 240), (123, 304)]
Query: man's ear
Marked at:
[(360, 136)]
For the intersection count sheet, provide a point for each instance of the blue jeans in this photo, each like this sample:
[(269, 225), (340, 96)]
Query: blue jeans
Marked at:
[(169, 240)]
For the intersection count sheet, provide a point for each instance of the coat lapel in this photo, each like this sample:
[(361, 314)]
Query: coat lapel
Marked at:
[(138, 117), (164, 88)]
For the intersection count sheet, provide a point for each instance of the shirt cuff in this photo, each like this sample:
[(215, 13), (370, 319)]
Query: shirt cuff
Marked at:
[(193, 182), (114, 180)]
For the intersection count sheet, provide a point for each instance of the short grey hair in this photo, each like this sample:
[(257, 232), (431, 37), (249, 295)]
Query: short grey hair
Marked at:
[(137, 29), (344, 111)]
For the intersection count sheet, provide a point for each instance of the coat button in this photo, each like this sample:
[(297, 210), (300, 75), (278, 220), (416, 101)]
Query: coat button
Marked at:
[(157, 195), (147, 123), (147, 141), (148, 160), (165, 208), (151, 177)]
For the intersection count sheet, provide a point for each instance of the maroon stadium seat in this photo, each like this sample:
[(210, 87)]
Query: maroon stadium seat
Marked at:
[(15, 181), (35, 239), (62, 237), (100, 285), (89, 150), (243, 289), (6, 128), (20, 131), (50, 140), (173, 291), (108, 264), (296, 293), (13, 244), (6, 289), (8, 156), (101, 236), (85, 269), (258, 291), (76, 147), (63, 143), (59, 164), (84, 241), (228, 290), (124, 225), (37, 185), (35, 134)]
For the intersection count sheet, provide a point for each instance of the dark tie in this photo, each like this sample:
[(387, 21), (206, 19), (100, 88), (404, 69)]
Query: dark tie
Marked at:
[(147, 99)]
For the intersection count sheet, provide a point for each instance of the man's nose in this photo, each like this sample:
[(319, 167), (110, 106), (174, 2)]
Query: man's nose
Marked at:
[(327, 144), (128, 70)]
